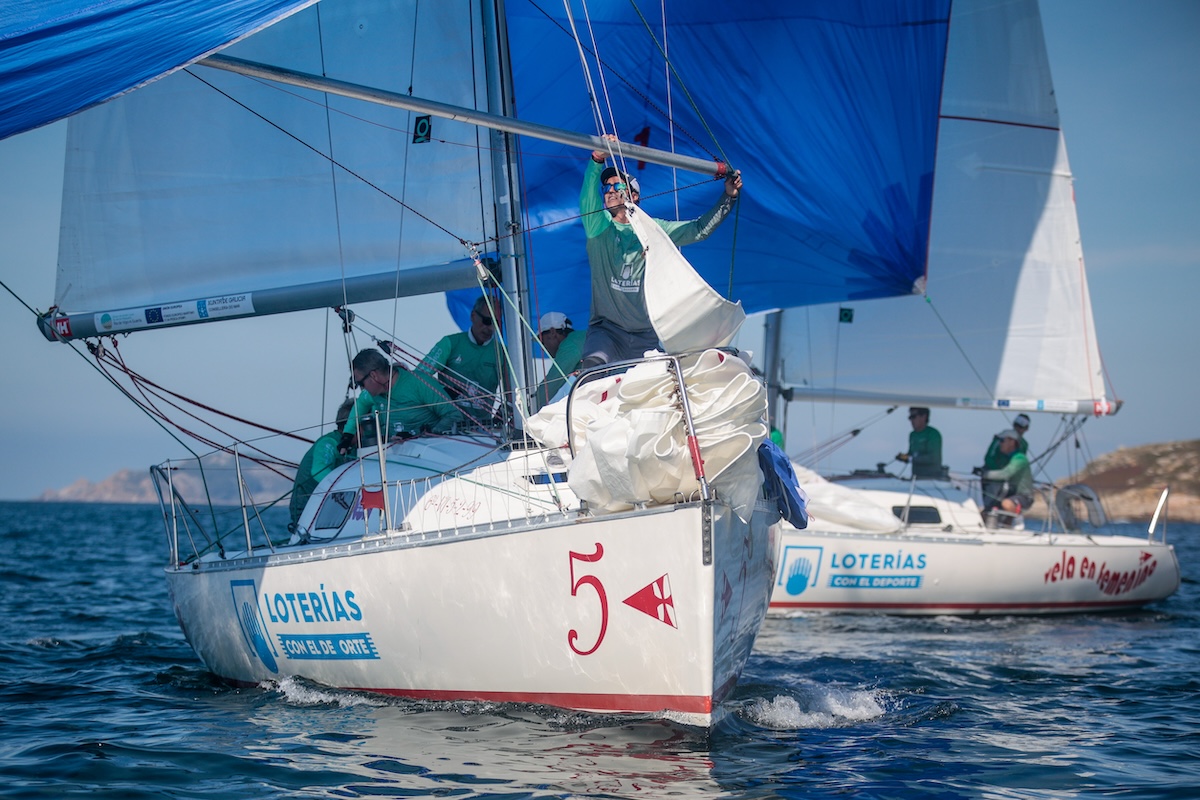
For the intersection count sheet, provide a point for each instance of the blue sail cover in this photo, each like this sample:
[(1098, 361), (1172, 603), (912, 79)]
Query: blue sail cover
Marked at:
[(829, 109), (58, 57)]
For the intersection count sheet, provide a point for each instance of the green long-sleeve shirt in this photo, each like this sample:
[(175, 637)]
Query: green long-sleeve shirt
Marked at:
[(318, 462), (463, 357), (414, 404), (1017, 473), (615, 254), (925, 451), (995, 459), (566, 361)]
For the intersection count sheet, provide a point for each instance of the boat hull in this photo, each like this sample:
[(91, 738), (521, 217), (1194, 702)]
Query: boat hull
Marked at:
[(969, 573), (653, 612)]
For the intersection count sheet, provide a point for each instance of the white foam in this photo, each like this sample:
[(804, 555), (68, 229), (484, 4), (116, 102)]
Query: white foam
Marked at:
[(820, 707), (303, 695)]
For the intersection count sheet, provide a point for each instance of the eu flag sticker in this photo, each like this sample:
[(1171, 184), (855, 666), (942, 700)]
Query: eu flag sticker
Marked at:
[(845, 315), (154, 316)]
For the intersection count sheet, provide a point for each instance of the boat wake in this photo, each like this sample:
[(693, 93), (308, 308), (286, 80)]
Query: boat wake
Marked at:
[(302, 693), (817, 706)]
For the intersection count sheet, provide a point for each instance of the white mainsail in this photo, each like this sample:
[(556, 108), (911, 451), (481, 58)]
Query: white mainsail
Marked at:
[(242, 197)]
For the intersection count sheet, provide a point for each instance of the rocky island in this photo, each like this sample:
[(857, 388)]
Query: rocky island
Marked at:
[(1131, 479)]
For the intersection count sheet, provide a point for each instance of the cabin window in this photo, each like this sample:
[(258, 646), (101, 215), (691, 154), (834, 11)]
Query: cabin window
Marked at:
[(543, 478), (918, 515), (335, 508)]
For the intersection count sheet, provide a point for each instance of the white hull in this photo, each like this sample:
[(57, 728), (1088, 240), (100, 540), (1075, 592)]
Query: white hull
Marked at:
[(651, 611), (948, 567)]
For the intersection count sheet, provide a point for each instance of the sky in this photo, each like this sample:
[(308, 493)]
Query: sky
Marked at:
[(1127, 79)]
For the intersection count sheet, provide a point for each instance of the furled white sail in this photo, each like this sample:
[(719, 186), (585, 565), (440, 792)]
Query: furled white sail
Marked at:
[(334, 200), (1007, 320)]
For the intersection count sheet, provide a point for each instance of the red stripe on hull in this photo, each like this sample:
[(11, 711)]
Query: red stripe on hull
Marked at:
[(640, 703), (1099, 604)]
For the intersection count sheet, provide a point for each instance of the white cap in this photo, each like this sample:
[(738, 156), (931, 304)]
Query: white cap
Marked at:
[(1022, 420), (553, 321)]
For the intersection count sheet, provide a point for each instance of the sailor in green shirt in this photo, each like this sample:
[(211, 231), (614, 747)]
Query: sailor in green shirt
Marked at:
[(467, 364), (992, 491), (924, 446), (407, 403), (994, 459), (1016, 474), (562, 343), (620, 327), (318, 462)]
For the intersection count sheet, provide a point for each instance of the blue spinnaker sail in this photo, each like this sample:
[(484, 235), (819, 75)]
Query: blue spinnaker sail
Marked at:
[(58, 57), (829, 109)]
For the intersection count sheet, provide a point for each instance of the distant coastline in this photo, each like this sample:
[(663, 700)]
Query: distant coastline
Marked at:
[(1129, 480)]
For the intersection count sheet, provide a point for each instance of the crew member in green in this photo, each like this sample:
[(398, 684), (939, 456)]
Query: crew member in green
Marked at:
[(407, 403), (994, 459), (1017, 475), (562, 343), (924, 446), (620, 327), (318, 462), (467, 364)]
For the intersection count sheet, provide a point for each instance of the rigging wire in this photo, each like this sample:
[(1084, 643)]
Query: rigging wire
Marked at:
[(988, 391), (662, 11), (94, 366), (647, 101), (682, 85), (337, 218), (149, 390), (340, 165), (812, 457)]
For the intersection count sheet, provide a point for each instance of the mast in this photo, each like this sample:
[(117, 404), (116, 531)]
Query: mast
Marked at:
[(507, 183), (772, 368)]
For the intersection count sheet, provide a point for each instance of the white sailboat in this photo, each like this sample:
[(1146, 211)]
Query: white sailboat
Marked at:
[(1002, 322), (447, 567)]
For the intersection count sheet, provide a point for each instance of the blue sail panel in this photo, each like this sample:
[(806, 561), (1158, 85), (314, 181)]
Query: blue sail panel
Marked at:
[(58, 57), (829, 109)]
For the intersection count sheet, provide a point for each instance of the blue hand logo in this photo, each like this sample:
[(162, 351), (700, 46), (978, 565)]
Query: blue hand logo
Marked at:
[(252, 628), (798, 576)]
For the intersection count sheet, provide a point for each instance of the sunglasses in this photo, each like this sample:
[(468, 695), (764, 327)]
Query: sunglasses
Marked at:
[(483, 319), (613, 187), (359, 383)]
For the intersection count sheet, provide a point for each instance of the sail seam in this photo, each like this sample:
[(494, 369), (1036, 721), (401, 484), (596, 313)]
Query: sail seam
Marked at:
[(1009, 123)]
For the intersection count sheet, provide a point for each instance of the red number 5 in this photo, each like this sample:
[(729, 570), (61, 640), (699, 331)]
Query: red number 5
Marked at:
[(594, 582)]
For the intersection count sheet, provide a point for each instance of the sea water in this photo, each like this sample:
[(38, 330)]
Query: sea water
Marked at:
[(100, 696)]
